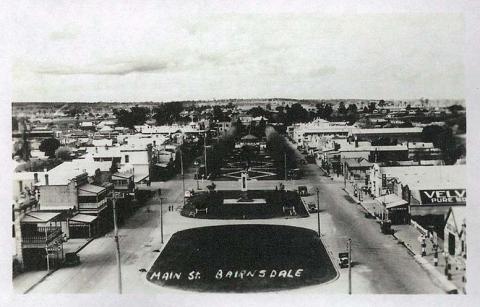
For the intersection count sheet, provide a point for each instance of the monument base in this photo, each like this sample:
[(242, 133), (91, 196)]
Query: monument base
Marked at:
[(253, 201), (244, 197)]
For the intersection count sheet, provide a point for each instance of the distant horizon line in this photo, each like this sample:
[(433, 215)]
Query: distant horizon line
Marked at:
[(247, 99)]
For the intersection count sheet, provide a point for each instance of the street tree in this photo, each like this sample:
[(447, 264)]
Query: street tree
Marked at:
[(48, 146), (63, 153), (168, 113), (129, 118), (341, 110)]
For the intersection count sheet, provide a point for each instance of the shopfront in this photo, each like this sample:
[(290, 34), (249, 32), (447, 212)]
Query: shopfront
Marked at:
[(430, 208), (455, 232), (393, 208)]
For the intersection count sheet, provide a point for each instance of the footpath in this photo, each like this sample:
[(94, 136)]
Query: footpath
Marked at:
[(26, 281), (410, 237)]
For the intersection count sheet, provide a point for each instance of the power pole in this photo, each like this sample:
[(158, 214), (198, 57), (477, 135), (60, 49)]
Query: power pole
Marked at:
[(117, 245), (183, 175), (161, 219), (349, 244), (198, 174), (318, 211), (205, 150)]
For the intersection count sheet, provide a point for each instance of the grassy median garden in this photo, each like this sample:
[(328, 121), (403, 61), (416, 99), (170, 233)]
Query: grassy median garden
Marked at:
[(242, 258)]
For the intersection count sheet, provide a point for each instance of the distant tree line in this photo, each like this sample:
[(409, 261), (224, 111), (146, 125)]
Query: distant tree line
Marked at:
[(169, 113)]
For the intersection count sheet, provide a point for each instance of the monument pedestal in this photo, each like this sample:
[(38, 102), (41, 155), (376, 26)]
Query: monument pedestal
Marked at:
[(244, 197)]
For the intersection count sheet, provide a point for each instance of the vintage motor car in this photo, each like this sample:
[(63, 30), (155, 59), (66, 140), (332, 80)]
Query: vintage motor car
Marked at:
[(302, 190), (343, 260)]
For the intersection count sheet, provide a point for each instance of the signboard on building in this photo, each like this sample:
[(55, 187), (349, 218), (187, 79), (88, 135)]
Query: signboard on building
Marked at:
[(443, 197)]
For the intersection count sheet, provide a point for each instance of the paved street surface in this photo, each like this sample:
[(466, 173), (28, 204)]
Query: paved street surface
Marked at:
[(381, 265)]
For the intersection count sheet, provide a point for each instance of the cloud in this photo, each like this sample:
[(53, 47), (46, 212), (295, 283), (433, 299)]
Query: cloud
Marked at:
[(65, 34), (118, 68), (177, 56), (322, 71)]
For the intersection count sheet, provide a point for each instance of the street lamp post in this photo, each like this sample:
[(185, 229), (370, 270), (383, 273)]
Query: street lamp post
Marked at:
[(183, 174), (205, 152), (198, 186), (318, 211), (117, 245), (161, 219), (349, 244)]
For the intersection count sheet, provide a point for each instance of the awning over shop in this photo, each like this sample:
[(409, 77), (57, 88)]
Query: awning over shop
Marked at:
[(391, 201), (83, 218), (40, 217)]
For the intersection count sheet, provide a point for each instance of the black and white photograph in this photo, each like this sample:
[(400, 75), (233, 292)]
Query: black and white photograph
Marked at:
[(219, 149)]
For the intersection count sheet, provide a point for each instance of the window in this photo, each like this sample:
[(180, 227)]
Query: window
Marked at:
[(127, 159), (451, 244)]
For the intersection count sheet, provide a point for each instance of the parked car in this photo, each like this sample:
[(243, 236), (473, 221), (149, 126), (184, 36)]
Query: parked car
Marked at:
[(312, 207), (72, 259), (294, 174), (302, 190), (386, 227), (343, 260)]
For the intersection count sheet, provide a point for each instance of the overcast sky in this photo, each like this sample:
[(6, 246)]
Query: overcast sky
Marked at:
[(162, 51)]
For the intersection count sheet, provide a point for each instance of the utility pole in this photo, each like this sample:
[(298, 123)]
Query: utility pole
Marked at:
[(198, 186), (205, 150), (349, 244), (183, 175), (117, 244), (161, 218), (318, 211)]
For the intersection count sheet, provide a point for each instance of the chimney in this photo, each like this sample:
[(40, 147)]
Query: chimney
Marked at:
[(46, 179), (35, 178)]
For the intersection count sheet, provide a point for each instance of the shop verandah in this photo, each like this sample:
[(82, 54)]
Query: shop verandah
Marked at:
[(42, 240)]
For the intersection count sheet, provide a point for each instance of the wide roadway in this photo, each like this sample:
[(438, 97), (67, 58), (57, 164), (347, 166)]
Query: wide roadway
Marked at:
[(381, 265)]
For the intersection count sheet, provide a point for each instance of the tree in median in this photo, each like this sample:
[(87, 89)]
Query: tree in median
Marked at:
[(48, 146), (63, 153)]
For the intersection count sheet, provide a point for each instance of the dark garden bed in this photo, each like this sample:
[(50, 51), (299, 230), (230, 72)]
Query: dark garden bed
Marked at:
[(242, 258), (218, 205)]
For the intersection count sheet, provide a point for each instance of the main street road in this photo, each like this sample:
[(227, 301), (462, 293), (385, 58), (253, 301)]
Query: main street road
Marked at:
[(381, 265)]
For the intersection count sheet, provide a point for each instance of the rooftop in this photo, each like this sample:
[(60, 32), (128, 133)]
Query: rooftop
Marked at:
[(40, 217), (88, 189), (426, 177), (352, 147), (386, 130)]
